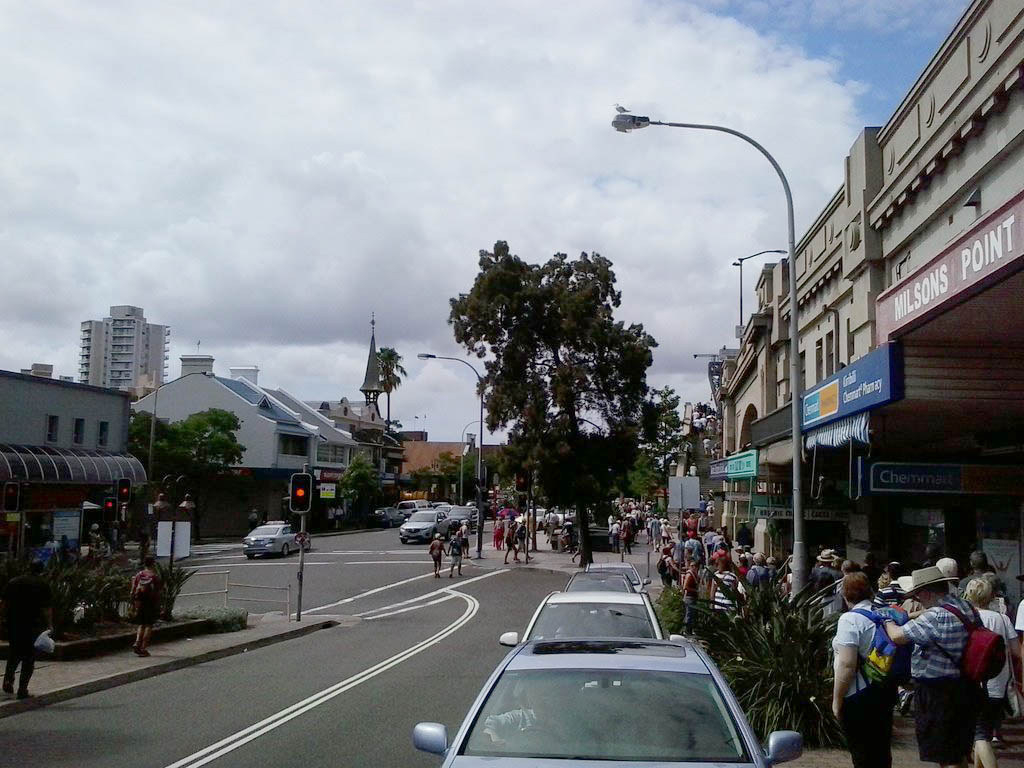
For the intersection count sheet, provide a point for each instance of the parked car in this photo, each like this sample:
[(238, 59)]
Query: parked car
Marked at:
[(412, 505), (568, 615), (388, 516), (598, 582), (422, 525), (273, 538), (552, 703), (626, 569)]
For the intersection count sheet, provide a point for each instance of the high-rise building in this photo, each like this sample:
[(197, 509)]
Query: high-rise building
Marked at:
[(123, 351)]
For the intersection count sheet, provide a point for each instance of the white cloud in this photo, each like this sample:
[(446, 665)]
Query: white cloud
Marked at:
[(263, 180)]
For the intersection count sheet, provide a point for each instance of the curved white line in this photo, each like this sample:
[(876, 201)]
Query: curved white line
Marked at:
[(236, 740)]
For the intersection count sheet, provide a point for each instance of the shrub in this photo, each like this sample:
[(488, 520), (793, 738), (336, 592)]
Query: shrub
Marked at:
[(69, 585), (224, 619), (172, 579), (670, 609), (775, 655)]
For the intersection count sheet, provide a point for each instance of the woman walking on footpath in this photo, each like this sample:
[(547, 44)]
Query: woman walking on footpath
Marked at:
[(146, 593), (723, 577), (511, 541), (979, 593), (436, 551), (863, 709), (499, 533)]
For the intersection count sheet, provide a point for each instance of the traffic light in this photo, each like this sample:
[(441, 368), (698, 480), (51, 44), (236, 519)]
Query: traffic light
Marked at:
[(109, 504), (300, 493), (124, 490), (520, 482), (12, 497)]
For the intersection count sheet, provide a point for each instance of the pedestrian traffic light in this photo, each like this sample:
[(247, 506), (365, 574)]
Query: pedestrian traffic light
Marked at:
[(124, 490), (300, 494), (12, 497), (109, 504)]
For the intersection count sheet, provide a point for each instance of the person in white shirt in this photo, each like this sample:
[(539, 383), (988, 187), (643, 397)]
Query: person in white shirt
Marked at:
[(979, 593), (864, 710)]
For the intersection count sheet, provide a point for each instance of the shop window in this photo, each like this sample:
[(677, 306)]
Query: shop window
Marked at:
[(78, 432), (292, 445), (52, 429), (103, 434)]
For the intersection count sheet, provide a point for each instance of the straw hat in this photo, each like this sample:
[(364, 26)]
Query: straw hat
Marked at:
[(828, 556), (924, 577)]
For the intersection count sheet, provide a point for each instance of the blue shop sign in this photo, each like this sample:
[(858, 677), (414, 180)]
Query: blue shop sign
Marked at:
[(871, 381)]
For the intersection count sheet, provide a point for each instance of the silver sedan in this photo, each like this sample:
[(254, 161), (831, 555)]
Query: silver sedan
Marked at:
[(273, 538)]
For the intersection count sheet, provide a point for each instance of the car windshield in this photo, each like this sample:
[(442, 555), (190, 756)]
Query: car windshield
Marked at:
[(422, 517), (266, 530), (629, 573), (566, 713), (610, 582), (562, 620)]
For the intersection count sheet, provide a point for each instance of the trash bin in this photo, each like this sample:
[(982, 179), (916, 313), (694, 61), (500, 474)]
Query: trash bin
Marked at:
[(556, 540)]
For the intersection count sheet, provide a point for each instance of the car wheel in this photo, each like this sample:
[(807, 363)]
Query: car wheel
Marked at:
[(285, 550), (250, 556)]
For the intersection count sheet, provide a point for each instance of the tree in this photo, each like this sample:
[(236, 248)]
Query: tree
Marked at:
[(391, 373), (663, 429), (201, 447), (644, 479), (360, 484), (558, 361)]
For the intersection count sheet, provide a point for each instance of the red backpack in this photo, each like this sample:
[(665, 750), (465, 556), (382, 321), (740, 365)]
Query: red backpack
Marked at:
[(985, 653)]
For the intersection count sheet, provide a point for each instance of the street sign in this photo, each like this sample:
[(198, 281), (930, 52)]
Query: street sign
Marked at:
[(302, 538), (327, 490)]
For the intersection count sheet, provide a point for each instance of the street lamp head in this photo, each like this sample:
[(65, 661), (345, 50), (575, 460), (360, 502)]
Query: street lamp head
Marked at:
[(624, 123), (737, 263), (426, 356)]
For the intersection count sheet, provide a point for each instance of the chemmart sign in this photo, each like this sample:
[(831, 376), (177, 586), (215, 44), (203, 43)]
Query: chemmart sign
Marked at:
[(735, 467), (870, 381)]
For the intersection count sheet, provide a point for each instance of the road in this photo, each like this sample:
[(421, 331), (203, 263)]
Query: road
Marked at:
[(346, 696)]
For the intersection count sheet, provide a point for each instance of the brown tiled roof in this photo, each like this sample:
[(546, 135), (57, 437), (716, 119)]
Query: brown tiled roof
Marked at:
[(422, 455)]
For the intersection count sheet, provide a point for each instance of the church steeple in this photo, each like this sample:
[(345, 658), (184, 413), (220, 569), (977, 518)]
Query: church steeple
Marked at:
[(371, 388)]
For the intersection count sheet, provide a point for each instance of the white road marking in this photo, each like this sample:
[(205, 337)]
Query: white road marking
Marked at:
[(440, 591), (369, 592), (239, 739), (411, 608), (294, 564)]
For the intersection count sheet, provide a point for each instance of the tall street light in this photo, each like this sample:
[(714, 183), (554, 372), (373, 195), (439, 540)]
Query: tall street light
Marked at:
[(479, 453), (462, 455), (625, 122), (739, 263)]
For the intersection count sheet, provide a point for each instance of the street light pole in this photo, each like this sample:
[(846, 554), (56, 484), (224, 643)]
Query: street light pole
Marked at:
[(624, 123), (479, 454), (462, 456), (739, 263)]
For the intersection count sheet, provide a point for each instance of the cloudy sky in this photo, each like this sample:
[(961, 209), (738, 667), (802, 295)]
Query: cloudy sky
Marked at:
[(263, 176)]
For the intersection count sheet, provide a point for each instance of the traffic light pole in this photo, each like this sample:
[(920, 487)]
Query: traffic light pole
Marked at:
[(302, 547)]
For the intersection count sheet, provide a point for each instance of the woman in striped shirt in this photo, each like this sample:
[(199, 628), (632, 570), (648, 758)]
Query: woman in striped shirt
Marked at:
[(724, 577)]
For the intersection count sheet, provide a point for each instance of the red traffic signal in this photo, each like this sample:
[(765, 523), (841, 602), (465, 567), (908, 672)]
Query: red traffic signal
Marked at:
[(300, 492), (124, 490), (109, 504), (12, 497)]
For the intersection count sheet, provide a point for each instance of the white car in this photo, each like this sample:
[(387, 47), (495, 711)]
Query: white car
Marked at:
[(273, 538), (626, 569), (575, 615)]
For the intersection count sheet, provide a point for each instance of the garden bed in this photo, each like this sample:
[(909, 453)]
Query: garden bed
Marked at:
[(118, 637)]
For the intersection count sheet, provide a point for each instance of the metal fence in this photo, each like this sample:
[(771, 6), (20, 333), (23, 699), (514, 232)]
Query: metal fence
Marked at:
[(226, 590)]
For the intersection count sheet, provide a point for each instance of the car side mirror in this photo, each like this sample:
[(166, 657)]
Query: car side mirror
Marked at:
[(511, 639), (673, 638), (430, 737), (784, 746), (645, 582)]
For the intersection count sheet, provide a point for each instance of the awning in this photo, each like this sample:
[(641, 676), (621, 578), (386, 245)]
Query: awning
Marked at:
[(852, 429), (44, 464)]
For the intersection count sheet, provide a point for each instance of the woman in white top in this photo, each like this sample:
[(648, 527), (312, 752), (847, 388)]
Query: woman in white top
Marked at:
[(979, 594), (863, 710)]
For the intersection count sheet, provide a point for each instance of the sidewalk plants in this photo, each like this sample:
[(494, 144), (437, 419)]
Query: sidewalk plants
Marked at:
[(774, 653), (172, 579)]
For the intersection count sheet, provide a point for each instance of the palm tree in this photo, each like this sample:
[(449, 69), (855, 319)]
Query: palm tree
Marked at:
[(391, 373)]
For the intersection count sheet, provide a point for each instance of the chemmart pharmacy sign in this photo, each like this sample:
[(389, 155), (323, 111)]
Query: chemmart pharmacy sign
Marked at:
[(871, 381), (735, 467)]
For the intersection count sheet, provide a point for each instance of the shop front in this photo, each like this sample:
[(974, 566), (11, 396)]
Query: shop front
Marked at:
[(739, 473)]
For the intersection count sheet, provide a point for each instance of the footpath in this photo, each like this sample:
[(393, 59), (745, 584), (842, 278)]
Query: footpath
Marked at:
[(55, 681)]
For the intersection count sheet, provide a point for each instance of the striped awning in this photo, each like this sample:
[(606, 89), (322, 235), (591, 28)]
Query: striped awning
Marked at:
[(45, 464), (852, 429)]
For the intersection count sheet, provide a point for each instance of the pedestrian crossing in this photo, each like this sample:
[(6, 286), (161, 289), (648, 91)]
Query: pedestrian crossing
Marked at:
[(213, 549)]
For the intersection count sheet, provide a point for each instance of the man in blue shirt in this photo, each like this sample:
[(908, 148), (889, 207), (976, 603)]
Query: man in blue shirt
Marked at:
[(946, 703)]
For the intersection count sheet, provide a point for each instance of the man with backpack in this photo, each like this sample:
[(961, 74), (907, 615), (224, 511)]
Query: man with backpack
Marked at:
[(953, 654)]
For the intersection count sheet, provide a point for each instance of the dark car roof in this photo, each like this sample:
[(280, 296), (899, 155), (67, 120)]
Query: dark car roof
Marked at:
[(598, 653), (605, 577)]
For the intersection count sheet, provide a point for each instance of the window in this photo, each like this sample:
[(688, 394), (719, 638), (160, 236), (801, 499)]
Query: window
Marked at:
[(830, 354), (103, 434), (803, 372), (52, 429), (292, 445), (850, 346), (78, 432), (818, 361)]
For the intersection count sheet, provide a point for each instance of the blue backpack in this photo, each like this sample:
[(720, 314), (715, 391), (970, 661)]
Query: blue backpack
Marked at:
[(885, 662)]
